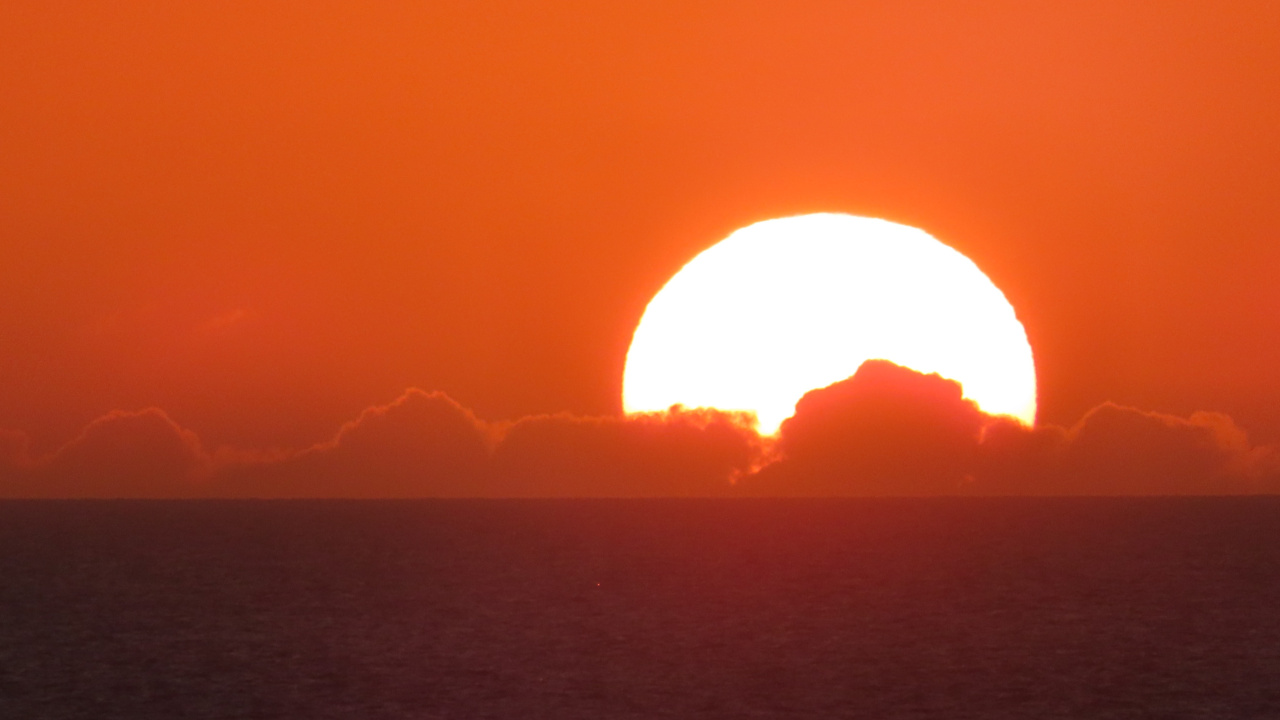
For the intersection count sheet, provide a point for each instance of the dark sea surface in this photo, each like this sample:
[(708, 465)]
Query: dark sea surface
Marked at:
[(948, 608)]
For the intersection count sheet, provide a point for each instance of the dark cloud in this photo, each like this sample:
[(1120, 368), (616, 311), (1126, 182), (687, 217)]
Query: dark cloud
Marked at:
[(676, 453), (884, 431), (426, 445), (15, 458), (1013, 459), (122, 454), (891, 431), (421, 445), (1122, 450), (1116, 450)]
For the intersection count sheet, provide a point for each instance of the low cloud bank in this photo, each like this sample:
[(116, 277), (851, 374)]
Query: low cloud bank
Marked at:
[(122, 454), (884, 431), (673, 454), (891, 431), (421, 445)]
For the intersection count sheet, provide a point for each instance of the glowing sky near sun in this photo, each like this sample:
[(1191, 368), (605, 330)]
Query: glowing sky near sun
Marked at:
[(263, 218)]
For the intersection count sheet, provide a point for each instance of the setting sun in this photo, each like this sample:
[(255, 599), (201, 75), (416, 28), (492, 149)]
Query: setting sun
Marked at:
[(789, 305)]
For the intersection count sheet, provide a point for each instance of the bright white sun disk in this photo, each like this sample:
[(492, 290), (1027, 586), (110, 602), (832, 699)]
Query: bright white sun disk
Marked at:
[(785, 306)]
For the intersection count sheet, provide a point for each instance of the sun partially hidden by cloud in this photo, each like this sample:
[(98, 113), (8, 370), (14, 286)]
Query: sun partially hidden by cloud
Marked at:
[(785, 306), (887, 430)]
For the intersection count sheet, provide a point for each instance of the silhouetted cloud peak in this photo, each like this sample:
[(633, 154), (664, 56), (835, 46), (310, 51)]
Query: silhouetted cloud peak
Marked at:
[(886, 430)]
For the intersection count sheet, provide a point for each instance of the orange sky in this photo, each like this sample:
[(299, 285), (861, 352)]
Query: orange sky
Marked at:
[(265, 217)]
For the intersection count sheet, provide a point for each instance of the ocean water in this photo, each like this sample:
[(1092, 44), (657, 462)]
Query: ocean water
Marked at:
[(866, 608)]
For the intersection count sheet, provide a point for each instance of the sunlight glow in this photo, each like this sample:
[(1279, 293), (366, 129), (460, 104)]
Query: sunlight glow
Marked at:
[(785, 306)]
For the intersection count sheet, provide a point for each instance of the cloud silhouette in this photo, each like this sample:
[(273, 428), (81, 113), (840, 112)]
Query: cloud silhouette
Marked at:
[(678, 453), (891, 431), (886, 430), (427, 445), (1123, 450), (421, 445), (142, 454), (1013, 459), (15, 457)]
